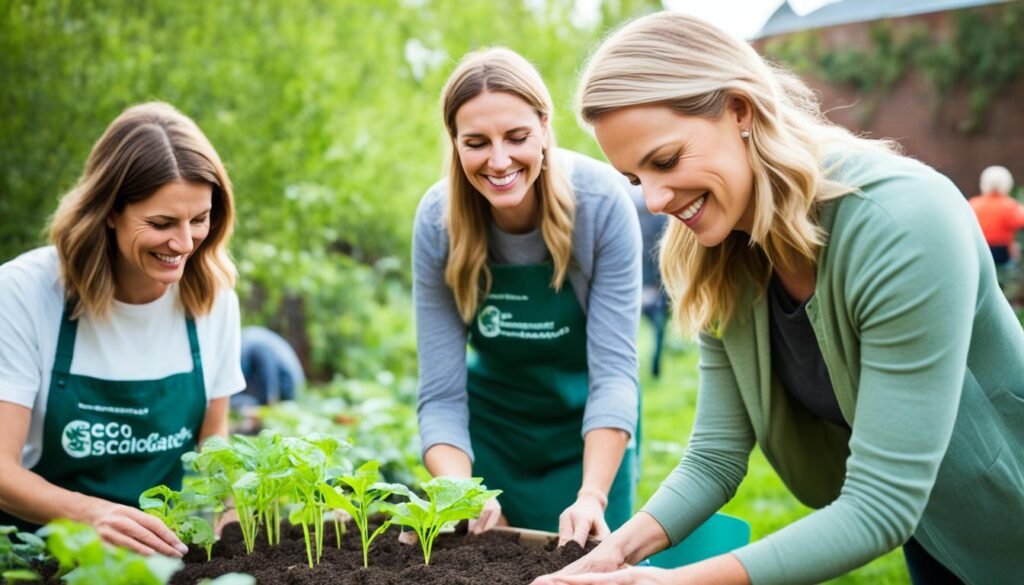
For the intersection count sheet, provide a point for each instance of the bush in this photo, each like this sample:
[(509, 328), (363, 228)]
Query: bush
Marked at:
[(325, 114)]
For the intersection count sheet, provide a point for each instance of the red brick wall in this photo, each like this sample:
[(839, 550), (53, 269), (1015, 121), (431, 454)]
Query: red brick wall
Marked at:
[(926, 124)]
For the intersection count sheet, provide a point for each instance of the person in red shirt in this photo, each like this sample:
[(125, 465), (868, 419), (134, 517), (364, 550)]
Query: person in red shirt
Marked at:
[(999, 214)]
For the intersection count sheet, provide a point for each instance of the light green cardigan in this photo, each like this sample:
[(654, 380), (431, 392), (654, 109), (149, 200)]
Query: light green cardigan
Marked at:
[(927, 361)]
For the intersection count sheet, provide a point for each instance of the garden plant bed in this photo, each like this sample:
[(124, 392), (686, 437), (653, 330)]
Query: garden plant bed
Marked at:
[(458, 559)]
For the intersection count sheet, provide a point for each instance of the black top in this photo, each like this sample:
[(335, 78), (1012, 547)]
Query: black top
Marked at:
[(796, 357)]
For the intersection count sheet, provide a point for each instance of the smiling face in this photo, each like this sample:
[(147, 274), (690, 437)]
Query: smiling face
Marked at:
[(693, 168), (500, 140), (155, 237)]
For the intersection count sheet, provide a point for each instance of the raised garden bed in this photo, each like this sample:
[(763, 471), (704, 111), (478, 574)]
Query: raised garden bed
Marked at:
[(458, 559)]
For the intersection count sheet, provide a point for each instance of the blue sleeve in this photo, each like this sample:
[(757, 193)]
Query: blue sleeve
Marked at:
[(443, 407), (613, 307)]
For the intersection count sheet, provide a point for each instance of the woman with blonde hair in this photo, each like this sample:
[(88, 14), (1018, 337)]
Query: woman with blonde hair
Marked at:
[(530, 254), (849, 318), (119, 344)]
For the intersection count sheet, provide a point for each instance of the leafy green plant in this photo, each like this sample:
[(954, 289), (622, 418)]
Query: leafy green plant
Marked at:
[(450, 499), (17, 558), (308, 459), (367, 497), (180, 512), (228, 472), (261, 474), (85, 560)]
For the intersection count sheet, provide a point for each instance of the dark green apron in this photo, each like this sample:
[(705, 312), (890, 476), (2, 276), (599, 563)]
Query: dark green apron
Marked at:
[(114, 439), (528, 385)]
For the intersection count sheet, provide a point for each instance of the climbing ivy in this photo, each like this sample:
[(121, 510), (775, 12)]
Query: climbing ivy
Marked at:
[(982, 54)]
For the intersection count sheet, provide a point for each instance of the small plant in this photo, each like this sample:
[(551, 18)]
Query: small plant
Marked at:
[(228, 472), (179, 511), (85, 560), (450, 499), (368, 495), (16, 558)]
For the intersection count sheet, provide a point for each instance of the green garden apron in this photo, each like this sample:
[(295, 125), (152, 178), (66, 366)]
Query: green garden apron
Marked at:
[(528, 385), (114, 439)]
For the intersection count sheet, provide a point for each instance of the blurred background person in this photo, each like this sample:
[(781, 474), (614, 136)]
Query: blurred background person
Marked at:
[(999, 214), (271, 367)]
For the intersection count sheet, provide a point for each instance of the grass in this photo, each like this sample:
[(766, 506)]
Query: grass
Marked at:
[(669, 405)]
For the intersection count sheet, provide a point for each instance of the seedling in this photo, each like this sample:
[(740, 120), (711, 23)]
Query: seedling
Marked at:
[(450, 499), (229, 472), (367, 497), (85, 560), (178, 510), (16, 558)]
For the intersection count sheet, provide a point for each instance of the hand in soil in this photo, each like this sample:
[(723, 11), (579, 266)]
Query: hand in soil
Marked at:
[(489, 517), (584, 518), (628, 576), (606, 558)]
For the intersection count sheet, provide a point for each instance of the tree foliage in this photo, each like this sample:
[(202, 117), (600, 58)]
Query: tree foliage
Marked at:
[(325, 113)]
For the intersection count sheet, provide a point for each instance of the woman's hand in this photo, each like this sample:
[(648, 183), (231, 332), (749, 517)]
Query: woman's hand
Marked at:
[(630, 575), (607, 557), (133, 529), (584, 518), (489, 517)]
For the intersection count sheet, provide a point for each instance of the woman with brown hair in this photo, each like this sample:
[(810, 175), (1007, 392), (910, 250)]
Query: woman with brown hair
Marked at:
[(119, 344), (530, 254)]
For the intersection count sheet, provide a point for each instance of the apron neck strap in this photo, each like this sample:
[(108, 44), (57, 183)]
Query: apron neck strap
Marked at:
[(193, 344), (66, 341)]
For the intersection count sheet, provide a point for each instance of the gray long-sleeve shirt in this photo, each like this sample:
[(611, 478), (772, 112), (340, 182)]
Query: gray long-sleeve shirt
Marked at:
[(604, 272)]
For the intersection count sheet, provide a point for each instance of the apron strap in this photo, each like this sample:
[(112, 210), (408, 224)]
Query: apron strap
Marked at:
[(193, 344), (65, 344)]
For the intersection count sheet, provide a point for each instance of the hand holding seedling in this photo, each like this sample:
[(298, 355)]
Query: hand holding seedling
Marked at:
[(179, 511), (133, 529)]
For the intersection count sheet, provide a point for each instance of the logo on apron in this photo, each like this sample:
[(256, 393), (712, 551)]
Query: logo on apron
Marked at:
[(493, 323), (82, 439), (76, 440), (489, 321)]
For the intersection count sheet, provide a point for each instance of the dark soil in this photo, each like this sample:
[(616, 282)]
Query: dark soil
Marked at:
[(457, 559)]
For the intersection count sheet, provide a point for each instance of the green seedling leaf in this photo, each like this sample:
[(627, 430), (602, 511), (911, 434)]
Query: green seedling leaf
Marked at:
[(366, 497), (17, 575), (450, 499)]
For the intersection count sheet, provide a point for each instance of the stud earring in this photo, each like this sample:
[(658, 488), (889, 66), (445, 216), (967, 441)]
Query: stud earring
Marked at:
[(744, 133)]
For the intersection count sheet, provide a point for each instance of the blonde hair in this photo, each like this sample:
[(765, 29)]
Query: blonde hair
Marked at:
[(996, 179), (145, 148), (499, 70), (695, 69)]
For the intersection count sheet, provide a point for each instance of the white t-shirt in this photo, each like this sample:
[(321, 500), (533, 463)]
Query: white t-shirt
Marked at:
[(137, 342)]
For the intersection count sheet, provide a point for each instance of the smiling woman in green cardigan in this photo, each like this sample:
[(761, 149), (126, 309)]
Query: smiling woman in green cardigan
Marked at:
[(849, 317)]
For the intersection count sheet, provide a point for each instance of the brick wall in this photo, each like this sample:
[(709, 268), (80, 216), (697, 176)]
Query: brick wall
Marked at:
[(928, 125)]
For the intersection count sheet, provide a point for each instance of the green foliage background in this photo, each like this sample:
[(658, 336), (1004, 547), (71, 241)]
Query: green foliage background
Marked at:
[(330, 132)]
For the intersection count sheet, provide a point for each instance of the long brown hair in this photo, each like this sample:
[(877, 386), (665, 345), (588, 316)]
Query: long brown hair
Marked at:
[(146, 147), (499, 70)]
